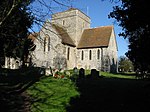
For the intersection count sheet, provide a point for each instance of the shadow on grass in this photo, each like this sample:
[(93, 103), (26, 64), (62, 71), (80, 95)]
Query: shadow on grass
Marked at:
[(51, 94), (111, 95), (127, 73), (13, 83)]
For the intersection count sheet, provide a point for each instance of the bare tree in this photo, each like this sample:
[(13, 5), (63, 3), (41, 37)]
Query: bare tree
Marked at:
[(43, 9)]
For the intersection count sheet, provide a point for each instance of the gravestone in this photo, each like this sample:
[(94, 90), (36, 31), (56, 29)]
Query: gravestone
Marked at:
[(75, 71), (94, 73), (47, 71), (81, 73), (42, 71)]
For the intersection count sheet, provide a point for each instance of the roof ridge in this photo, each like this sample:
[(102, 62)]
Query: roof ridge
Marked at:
[(99, 27)]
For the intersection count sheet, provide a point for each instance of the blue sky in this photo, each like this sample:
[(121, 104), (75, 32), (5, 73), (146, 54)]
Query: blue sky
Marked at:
[(98, 12)]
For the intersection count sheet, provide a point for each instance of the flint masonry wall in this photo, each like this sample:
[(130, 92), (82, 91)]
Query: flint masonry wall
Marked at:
[(74, 21)]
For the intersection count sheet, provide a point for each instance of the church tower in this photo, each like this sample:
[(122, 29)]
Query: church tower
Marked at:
[(73, 21)]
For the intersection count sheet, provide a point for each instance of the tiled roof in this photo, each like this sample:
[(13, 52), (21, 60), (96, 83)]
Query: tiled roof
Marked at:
[(66, 39), (95, 37)]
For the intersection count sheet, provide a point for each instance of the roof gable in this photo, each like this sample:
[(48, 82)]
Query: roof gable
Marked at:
[(95, 37), (66, 39)]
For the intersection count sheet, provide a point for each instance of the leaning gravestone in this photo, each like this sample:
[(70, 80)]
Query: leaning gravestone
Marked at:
[(94, 73), (81, 73)]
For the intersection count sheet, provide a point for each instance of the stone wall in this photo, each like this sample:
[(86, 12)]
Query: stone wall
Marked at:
[(73, 21), (107, 60), (71, 62), (83, 22), (86, 63), (42, 58), (111, 53), (12, 63)]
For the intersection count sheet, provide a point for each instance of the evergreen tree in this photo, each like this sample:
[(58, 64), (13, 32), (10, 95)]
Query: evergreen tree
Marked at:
[(15, 20), (125, 65), (133, 16)]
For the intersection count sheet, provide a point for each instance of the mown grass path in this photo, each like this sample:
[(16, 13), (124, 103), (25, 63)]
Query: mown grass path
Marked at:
[(111, 95)]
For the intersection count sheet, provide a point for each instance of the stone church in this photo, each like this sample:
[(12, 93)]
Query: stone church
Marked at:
[(67, 41)]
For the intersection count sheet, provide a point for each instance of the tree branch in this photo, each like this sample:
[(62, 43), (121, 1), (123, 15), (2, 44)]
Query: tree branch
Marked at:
[(9, 12)]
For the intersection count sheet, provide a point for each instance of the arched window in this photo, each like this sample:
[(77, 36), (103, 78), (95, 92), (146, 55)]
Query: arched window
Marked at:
[(68, 53), (82, 55), (63, 22), (98, 54), (46, 43), (90, 55)]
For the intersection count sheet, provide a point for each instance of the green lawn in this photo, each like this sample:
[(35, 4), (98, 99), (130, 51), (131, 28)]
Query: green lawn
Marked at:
[(48, 94), (52, 95), (118, 75), (113, 75)]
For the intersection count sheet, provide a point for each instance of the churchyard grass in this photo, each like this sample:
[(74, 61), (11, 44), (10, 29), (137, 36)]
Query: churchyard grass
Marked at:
[(118, 75), (113, 75), (51, 94)]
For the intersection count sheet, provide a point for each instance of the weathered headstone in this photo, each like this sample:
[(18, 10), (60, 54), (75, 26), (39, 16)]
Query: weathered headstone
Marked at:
[(42, 71), (81, 73), (75, 71), (48, 71), (94, 73)]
